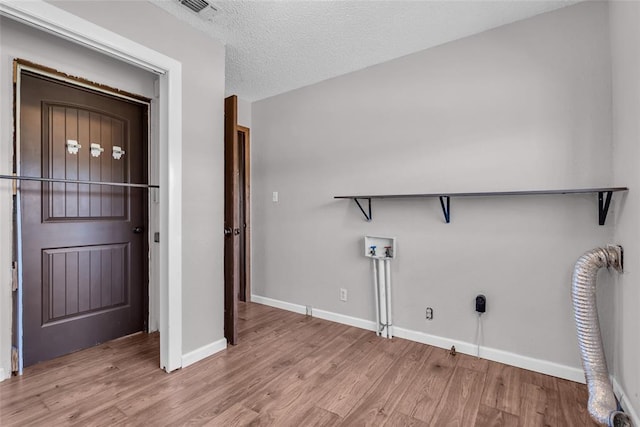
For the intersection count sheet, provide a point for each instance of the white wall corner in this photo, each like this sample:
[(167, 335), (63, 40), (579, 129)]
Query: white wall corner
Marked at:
[(625, 402), (203, 352), (508, 358)]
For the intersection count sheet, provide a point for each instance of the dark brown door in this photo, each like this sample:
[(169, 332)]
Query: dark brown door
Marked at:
[(85, 271), (231, 220)]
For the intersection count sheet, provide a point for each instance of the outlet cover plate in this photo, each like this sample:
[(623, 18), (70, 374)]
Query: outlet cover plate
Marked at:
[(429, 313)]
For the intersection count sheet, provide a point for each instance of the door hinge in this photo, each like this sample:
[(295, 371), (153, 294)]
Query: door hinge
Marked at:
[(14, 360), (14, 276)]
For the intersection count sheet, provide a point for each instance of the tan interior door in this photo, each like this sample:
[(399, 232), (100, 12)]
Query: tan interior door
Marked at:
[(232, 228), (85, 273)]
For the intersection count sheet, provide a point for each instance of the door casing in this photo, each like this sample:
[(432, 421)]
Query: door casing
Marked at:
[(51, 19)]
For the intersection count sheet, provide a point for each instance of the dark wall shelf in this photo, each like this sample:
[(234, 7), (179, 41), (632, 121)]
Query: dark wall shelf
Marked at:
[(604, 198)]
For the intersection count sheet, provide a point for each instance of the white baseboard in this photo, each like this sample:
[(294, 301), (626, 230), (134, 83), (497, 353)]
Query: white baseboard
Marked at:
[(344, 319), (506, 357), (513, 359), (625, 402), (203, 352), (2, 376), (296, 308), (320, 314)]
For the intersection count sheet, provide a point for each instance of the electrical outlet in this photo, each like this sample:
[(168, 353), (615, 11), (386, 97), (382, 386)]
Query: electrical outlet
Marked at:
[(429, 313), (309, 311), (274, 196), (343, 294)]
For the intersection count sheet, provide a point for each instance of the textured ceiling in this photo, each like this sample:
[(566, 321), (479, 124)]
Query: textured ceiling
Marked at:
[(277, 46)]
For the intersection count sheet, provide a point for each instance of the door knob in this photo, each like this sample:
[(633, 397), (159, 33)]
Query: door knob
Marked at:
[(236, 231), (228, 231), (138, 230)]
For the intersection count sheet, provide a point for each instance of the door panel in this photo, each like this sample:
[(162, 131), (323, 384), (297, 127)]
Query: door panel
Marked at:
[(75, 201), (80, 280), (84, 269)]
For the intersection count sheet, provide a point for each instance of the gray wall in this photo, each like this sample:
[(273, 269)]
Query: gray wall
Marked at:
[(244, 113), (625, 42), (525, 106), (202, 61)]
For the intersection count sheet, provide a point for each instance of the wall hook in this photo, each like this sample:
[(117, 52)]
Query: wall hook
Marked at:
[(73, 146), (117, 152), (96, 149)]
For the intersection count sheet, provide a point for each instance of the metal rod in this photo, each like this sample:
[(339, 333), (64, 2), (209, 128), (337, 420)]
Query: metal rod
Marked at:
[(75, 181)]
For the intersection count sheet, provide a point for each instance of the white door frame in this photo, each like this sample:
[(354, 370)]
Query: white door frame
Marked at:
[(63, 24)]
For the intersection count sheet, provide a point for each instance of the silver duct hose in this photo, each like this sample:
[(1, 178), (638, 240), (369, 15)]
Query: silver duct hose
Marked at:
[(603, 405)]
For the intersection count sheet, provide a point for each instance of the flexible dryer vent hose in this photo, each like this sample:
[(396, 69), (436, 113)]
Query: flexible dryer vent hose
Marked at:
[(603, 405)]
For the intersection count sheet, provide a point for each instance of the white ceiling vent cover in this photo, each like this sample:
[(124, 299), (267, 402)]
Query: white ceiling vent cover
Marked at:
[(201, 7)]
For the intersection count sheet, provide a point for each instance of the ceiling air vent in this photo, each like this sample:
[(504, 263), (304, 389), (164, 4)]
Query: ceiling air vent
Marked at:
[(195, 5), (201, 7)]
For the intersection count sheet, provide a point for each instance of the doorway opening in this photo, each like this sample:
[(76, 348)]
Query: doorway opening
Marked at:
[(244, 202), (82, 237)]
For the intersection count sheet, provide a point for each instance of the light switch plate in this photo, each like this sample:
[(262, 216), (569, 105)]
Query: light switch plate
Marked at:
[(275, 196)]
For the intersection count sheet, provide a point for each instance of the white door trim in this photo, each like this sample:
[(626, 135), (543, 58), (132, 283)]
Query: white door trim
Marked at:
[(49, 18)]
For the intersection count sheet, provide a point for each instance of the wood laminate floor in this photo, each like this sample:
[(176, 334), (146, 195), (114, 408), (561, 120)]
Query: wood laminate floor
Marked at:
[(289, 370)]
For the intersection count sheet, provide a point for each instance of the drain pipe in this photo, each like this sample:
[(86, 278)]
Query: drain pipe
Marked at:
[(603, 405)]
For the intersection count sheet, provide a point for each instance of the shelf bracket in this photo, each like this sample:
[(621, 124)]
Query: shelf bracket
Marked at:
[(603, 206), (367, 217), (446, 210)]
